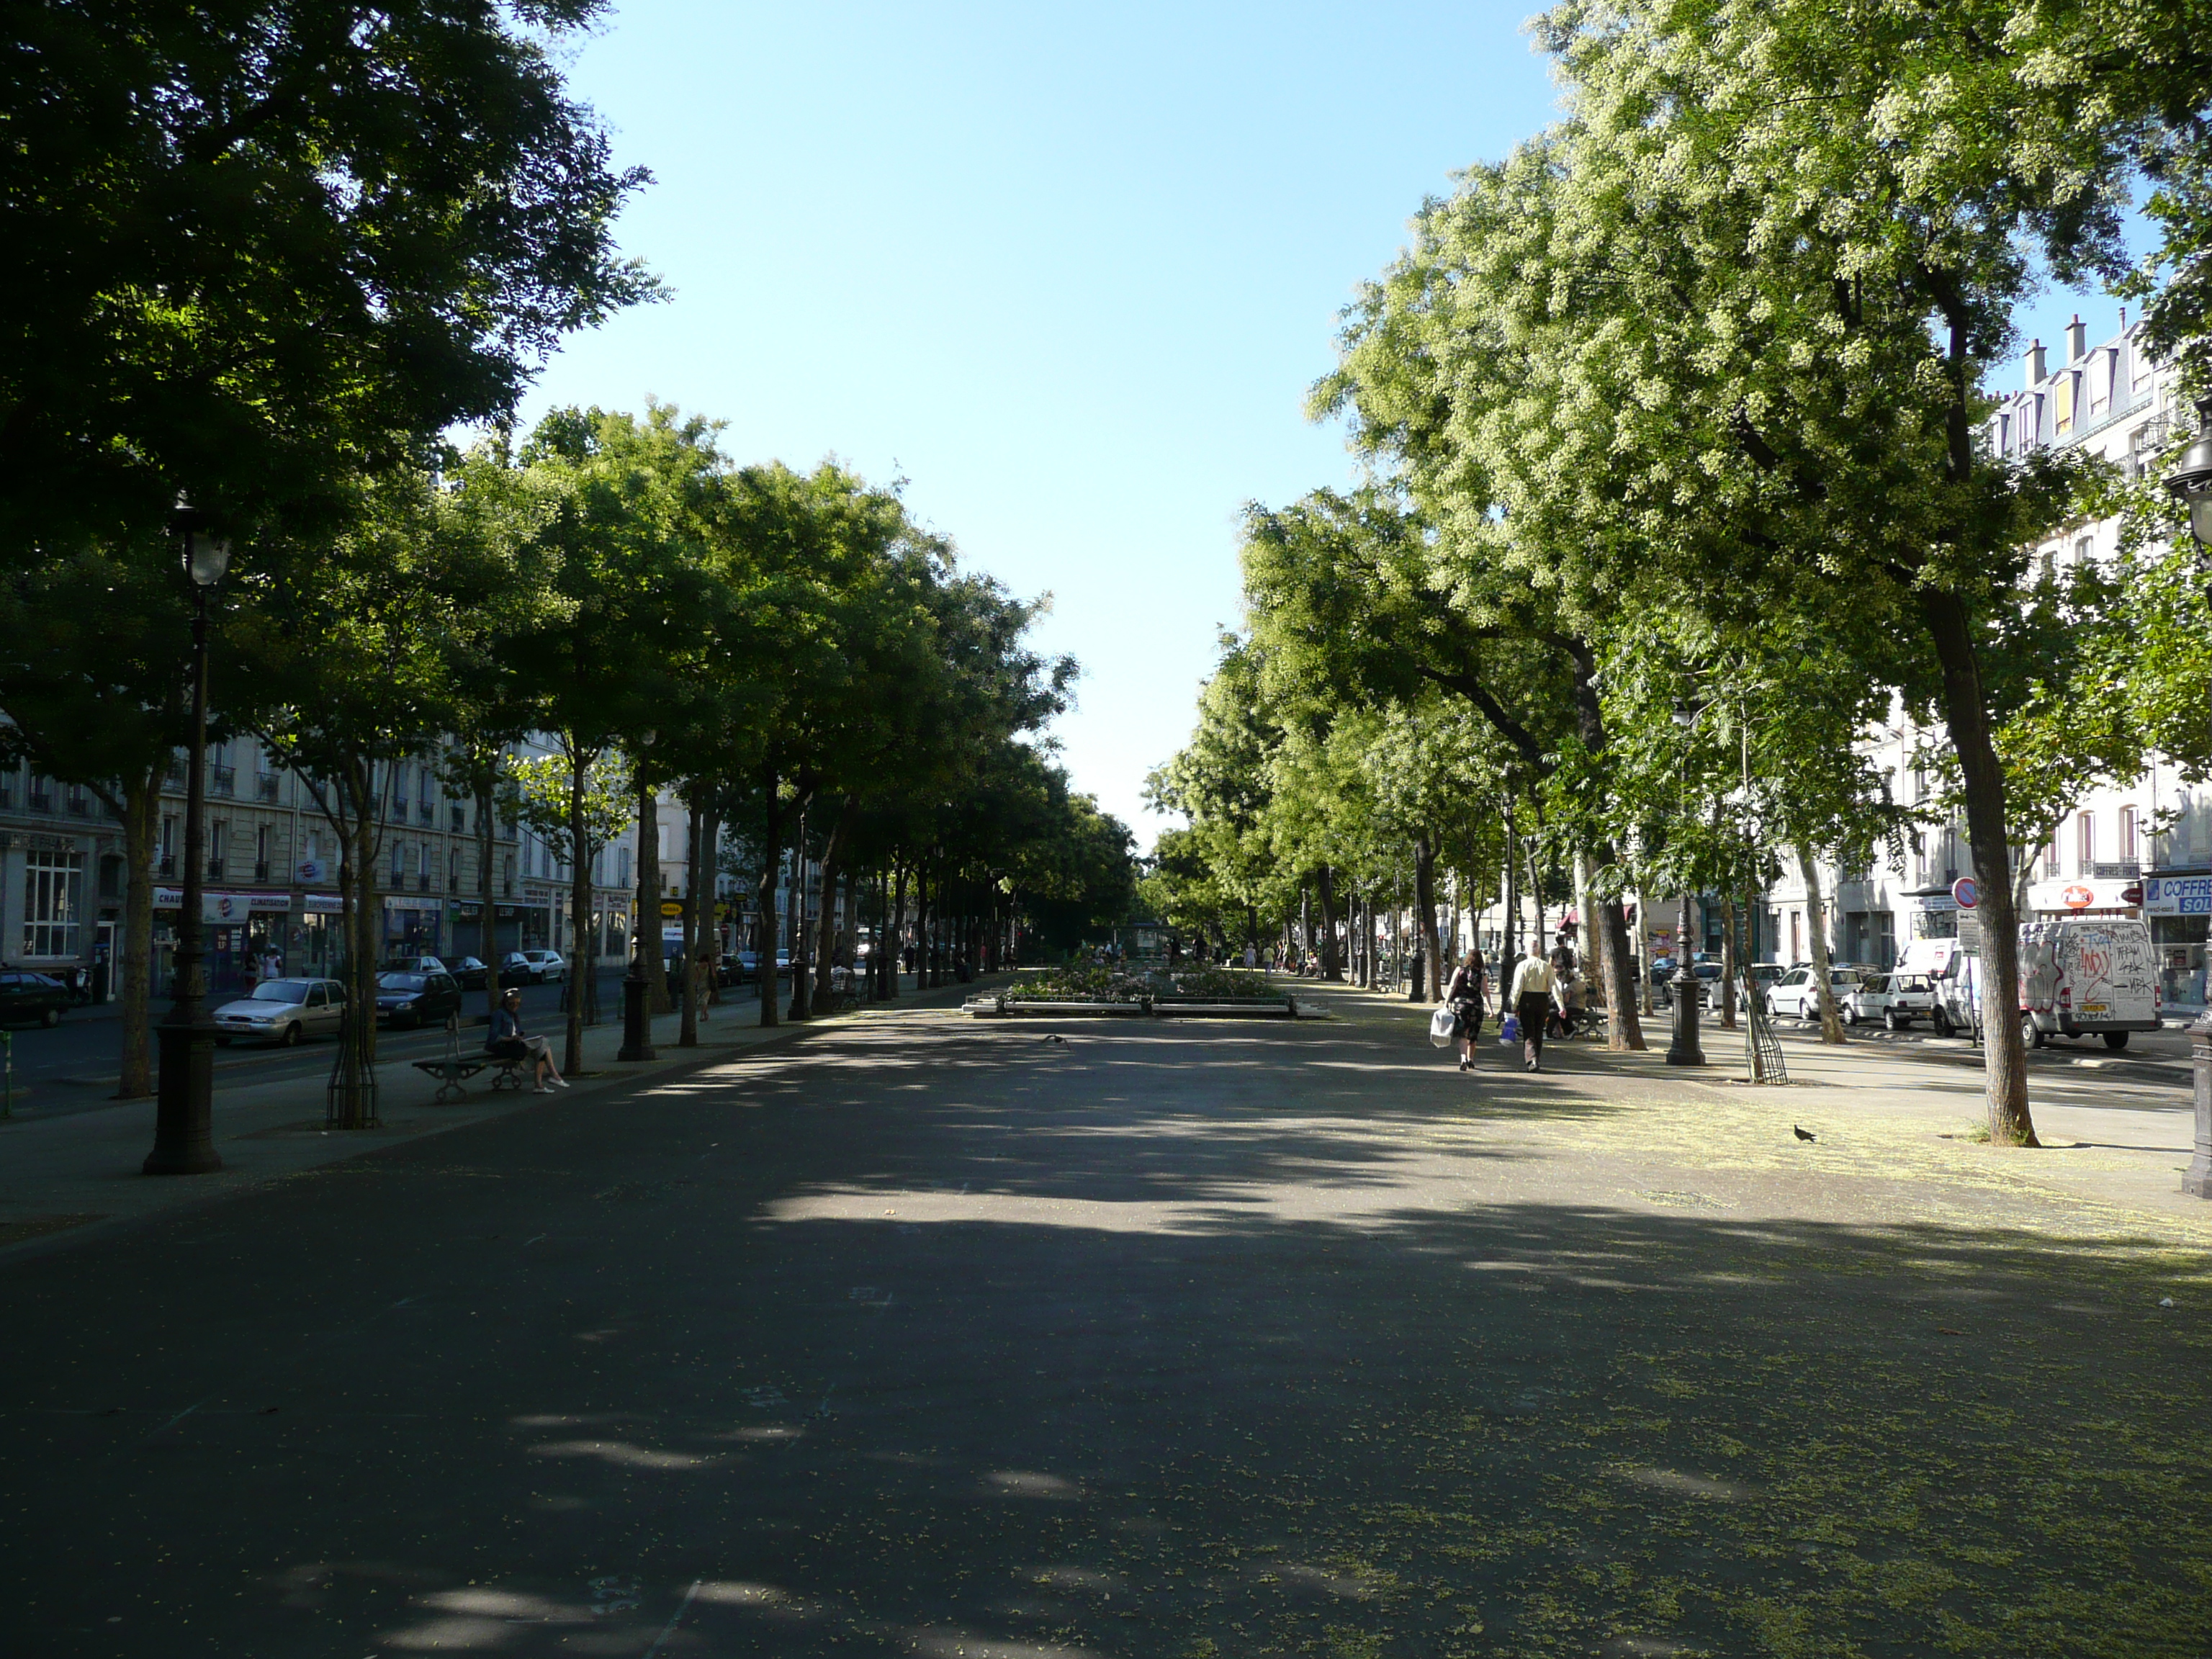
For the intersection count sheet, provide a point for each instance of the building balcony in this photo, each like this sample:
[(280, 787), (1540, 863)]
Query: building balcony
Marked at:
[(427, 812), (460, 820), (223, 780), (261, 869), (265, 785), (77, 804), (422, 882), (40, 801), (215, 869), (174, 777), (399, 811)]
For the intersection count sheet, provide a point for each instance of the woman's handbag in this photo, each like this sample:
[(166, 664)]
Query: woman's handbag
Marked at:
[(1508, 1029), (1443, 1028)]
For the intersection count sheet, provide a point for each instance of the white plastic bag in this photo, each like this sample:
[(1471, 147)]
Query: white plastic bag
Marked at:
[(1443, 1028)]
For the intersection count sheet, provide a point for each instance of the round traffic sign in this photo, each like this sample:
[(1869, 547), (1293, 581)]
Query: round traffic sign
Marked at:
[(1964, 893)]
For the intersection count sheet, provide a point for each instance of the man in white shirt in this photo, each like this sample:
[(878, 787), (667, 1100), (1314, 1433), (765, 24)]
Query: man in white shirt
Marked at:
[(1535, 992)]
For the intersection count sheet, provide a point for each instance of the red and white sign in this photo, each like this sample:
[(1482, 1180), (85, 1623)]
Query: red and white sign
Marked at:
[(1964, 894)]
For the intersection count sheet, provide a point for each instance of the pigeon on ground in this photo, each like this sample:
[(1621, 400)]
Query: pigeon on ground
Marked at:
[(1802, 1135), (1054, 1036)]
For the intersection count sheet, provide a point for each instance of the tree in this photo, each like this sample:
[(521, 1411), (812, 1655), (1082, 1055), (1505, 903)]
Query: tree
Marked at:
[(256, 248), (93, 685)]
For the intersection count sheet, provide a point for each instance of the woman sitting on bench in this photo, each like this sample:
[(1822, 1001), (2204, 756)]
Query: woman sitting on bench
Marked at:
[(509, 1041)]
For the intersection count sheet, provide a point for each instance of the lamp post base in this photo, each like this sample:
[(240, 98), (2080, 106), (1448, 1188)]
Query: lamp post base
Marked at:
[(184, 1118), (1683, 1048), (637, 1025), (2197, 1180)]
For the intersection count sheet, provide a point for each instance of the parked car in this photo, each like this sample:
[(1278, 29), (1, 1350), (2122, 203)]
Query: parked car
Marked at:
[(468, 972), (412, 965), (283, 1011), (33, 998), (1797, 992), (544, 965), (1895, 999), (416, 998)]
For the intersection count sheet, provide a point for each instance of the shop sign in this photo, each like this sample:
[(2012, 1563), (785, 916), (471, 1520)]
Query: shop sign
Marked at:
[(2177, 896), (2097, 893), (668, 909), (310, 872), (224, 906), (323, 905), (409, 902), (1933, 902)]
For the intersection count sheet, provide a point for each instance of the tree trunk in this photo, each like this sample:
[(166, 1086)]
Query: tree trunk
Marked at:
[(648, 898), (141, 809), (771, 860), (358, 846), (1816, 923), (1429, 987), (801, 981), (1510, 943), (1325, 885), (1966, 713), (580, 915), (897, 931), (487, 901), (1730, 962), (825, 935), (686, 1028)]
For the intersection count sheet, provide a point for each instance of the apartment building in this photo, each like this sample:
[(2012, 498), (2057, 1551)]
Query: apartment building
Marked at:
[(270, 880)]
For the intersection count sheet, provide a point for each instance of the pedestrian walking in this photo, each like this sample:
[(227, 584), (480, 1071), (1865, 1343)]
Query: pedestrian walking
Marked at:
[(1535, 992), (1465, 997), (508, 1040)]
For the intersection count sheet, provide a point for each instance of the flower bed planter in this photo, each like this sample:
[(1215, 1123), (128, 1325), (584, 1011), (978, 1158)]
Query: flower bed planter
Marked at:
[(1015, 1007)]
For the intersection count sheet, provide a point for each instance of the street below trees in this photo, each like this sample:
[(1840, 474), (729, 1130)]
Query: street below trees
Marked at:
[(927, 1335)]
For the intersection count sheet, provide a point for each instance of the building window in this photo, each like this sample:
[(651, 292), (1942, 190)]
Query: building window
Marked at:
[(2128, 833), (2050, 857), (53, 902), (2084, 849), (398, 864), (507, 873), (2082, 549), (218, 843), (622, 864)]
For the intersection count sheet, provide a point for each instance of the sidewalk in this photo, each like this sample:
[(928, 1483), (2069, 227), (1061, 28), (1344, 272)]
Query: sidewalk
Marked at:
[(78, 1173), (1895, 1124)]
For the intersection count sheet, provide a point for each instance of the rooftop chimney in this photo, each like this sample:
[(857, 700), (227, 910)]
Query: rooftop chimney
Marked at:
[(2036, 372), (2077, 340)]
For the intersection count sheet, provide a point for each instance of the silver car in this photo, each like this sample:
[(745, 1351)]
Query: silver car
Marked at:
[(283, 1011)]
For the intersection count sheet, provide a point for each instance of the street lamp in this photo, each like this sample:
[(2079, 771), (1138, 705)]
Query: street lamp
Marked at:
[(2190, 483), (1682, 1049), (184, 1121)]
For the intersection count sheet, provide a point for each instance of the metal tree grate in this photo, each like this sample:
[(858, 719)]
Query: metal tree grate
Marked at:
[(350, 1100), (1761, 1048)]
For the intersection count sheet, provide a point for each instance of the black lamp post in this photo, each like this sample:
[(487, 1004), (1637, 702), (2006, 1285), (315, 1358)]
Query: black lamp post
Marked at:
[(2190, 483), (1682, 1049), (184, 1121)]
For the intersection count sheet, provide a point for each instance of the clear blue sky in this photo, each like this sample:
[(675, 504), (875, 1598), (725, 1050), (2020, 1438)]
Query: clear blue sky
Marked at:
[(1069, 271)]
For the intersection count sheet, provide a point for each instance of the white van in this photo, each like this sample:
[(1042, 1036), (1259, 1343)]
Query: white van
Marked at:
[(2078, 977), (2086, 978)]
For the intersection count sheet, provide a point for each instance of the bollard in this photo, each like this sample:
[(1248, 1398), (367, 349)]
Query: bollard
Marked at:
[(637, 1024)]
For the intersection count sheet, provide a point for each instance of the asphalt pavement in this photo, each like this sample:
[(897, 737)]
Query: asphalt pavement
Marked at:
[(928, 1335)]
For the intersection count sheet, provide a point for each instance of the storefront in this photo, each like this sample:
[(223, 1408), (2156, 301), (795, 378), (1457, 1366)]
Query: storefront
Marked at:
[(413, 925), (239, 932), (465, 929), (319, 939), (1932, 913), (2112, 896), (2179, 904)]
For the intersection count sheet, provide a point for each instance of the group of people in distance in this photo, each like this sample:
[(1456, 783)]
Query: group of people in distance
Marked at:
[(1545, 994)]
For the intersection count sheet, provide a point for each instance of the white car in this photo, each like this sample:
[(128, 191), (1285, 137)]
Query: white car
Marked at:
[(1895, 999), (283, 1011), (1798, 995), (544, 965)]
